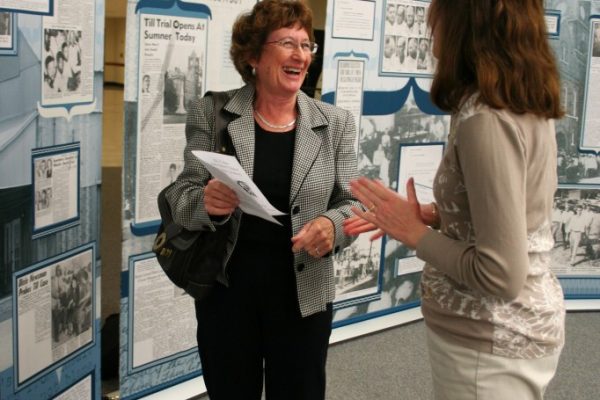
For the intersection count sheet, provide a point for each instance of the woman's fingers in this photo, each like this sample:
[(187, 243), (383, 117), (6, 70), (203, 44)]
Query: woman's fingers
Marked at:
[(355, 225)]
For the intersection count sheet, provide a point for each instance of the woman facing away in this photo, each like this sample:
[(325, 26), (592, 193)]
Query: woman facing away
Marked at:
[(493, 309), (269, 317)]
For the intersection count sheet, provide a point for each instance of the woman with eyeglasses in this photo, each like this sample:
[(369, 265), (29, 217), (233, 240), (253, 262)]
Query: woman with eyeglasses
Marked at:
[(269, 318)]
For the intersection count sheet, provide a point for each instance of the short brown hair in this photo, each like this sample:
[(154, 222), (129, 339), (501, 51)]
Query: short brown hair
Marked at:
[(250, 30), (498, 48)]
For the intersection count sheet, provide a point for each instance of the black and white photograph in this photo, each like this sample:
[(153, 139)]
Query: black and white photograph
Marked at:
[(62, 63), (406, 39), (43, 199), (576, 232), (170, 171), (71, 291), (8, 33), (183, 83), (357, 269), (576, 167), (146, 83), (5, 24)]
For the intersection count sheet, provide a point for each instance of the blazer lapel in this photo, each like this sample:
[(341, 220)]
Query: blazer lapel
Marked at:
[(308, 143), (241, 129), (307, 146)]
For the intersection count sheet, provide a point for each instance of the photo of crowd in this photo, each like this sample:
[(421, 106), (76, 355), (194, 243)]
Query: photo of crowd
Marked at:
[(576, 231), (406, 39)]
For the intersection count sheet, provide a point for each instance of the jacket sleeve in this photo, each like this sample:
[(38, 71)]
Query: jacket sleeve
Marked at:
[(341, 199), (186, 194)]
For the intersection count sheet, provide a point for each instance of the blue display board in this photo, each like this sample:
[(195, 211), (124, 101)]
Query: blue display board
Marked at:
[(50, 152)]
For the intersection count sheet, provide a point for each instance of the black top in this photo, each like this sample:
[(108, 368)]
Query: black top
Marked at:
[(273, 159)]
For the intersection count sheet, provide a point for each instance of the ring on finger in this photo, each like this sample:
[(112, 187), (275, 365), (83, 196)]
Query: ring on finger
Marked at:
[(373, 208)]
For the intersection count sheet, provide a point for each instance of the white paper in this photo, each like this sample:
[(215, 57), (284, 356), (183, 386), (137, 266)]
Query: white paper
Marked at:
[(421, 163), (229, 171), (354, 19)]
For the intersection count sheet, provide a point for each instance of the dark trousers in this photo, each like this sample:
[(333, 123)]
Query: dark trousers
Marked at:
[(256, 322)]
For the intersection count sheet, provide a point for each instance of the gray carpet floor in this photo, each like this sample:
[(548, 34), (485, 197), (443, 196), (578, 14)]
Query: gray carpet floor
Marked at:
[(393, 364)]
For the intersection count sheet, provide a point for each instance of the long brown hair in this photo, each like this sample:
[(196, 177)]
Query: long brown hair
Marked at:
[(251, 29), (498, 48)]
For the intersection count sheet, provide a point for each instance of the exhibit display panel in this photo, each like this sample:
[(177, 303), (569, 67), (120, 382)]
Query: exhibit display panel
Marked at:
[(176, 50), (51, 72)]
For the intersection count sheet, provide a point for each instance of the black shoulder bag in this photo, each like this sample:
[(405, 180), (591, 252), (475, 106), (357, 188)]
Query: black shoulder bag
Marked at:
[(193, 259)]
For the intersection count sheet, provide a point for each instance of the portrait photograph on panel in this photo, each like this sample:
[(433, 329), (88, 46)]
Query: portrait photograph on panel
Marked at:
[(406, 40)]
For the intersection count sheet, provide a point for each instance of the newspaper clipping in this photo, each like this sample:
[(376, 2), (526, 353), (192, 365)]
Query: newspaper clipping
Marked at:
[(406, 39), (55, 313), (68, 53), (171, 78), (164, 320), (349, 93), (55, 189)]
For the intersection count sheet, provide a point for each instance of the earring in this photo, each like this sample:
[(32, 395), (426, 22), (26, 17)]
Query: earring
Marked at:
[(253, 71)]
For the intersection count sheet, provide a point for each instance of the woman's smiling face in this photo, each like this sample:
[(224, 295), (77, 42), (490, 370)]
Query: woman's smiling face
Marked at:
[(280, 71)]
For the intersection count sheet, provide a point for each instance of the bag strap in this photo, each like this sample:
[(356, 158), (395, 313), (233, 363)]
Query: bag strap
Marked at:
[(223, 142), (223, 145)]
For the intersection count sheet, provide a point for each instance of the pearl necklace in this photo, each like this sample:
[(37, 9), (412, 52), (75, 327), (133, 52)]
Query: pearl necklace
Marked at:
[(275, 126)]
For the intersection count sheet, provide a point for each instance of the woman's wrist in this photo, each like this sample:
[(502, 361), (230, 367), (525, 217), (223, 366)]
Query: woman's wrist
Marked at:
[(431, 215)]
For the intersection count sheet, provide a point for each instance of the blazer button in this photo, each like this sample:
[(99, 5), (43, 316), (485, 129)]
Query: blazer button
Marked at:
[(300, 267), (337, 249), (295, 210)]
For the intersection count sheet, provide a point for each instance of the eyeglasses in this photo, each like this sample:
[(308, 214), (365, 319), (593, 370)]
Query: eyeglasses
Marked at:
[(291, 45)]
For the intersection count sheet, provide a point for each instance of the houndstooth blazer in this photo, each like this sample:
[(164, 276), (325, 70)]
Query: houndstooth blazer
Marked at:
[(324, 163)]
